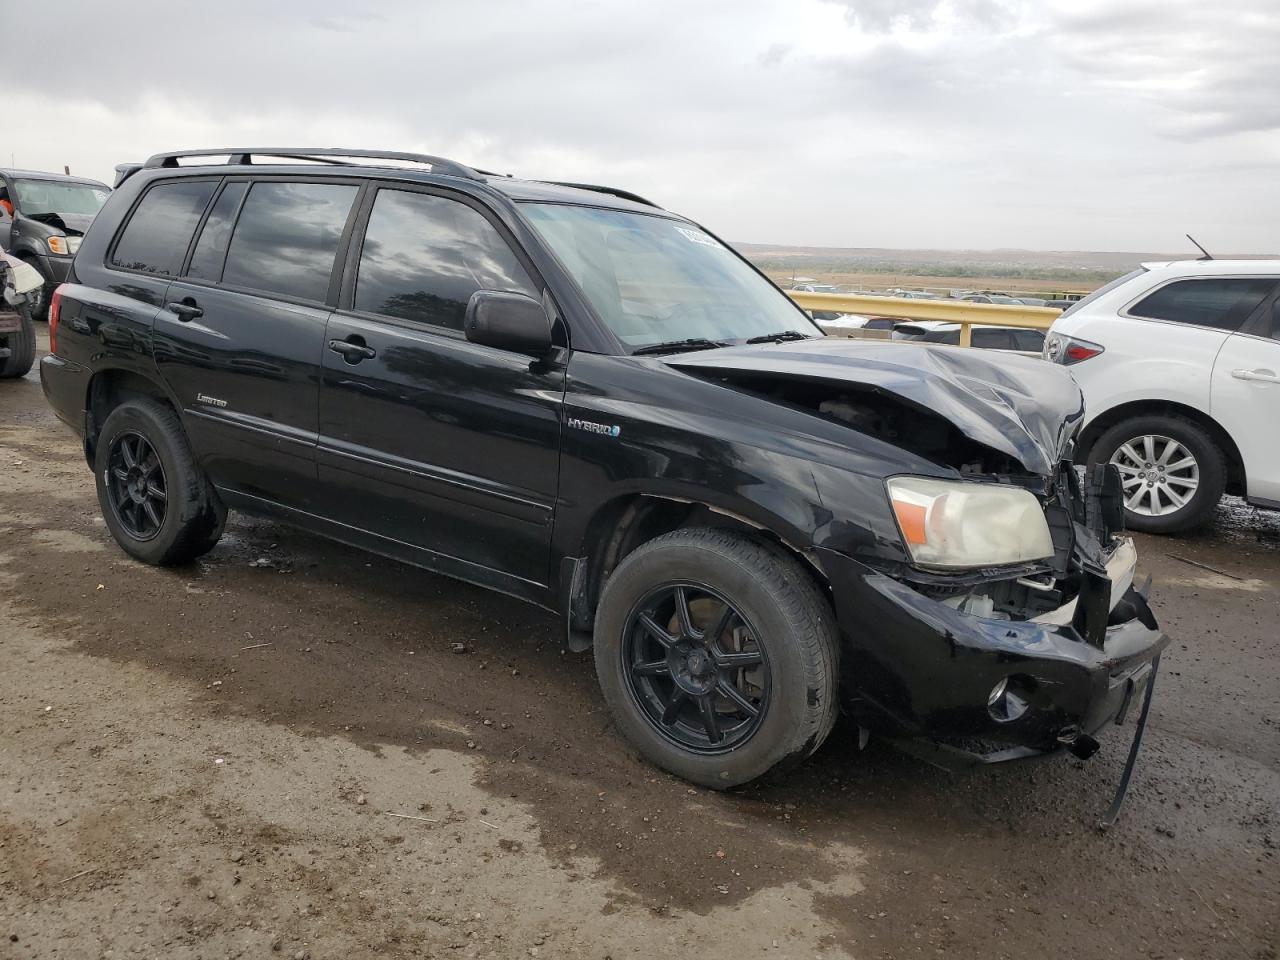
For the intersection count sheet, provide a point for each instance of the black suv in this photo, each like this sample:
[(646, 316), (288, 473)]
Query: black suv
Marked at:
[(566, 394)]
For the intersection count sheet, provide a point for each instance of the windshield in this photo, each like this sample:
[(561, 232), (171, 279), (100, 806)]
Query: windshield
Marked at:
[(58, 196), (655, 280)]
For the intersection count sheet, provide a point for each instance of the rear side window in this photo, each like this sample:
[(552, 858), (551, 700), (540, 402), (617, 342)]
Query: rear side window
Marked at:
[(156, 238), (211, 248), (1223, 303), (286, 238), (424, 256)]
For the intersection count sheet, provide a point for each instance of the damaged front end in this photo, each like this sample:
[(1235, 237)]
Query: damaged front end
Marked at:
[(995, 615)]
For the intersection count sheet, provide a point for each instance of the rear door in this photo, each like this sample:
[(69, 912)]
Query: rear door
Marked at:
[(1246, 397), (433, 443), (240, 338)]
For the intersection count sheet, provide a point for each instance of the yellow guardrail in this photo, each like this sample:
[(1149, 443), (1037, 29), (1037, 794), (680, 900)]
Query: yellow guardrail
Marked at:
[(954, 311)]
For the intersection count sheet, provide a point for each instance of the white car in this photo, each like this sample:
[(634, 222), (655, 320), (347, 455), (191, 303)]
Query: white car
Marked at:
[(1180, 367)]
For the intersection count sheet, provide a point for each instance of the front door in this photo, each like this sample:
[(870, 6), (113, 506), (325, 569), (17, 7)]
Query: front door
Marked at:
[(240, 339), (427, 440), (1246, 398)]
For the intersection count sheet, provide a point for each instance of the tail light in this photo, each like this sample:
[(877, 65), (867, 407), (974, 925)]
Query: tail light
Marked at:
[(1068, 350), (55, 310)]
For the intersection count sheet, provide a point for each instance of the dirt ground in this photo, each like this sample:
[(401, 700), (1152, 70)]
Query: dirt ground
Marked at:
[(277, 752)]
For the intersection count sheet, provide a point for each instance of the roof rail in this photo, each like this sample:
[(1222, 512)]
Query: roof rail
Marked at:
[(612, 191), (243, 156)]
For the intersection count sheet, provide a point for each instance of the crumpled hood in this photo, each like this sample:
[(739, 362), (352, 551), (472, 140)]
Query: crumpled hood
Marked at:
[(73, 224), (1021, 406)]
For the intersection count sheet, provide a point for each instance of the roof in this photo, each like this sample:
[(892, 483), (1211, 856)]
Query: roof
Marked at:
[(47, 175), (1213, 268)]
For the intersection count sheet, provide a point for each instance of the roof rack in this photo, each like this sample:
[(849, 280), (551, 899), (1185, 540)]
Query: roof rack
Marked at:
[(612, 191), (243, 156)]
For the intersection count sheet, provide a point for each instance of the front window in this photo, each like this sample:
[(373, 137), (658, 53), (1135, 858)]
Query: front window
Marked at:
[(654, 280), (36, 197)]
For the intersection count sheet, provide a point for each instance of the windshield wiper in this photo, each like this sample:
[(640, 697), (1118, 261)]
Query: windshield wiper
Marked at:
[(778, 337), (676, 346)]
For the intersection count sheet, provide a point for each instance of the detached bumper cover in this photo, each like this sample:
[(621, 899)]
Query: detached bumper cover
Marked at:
[(922, 669)]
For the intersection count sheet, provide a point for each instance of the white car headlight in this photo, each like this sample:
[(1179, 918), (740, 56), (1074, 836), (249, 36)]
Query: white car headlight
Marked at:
[(954, 524)]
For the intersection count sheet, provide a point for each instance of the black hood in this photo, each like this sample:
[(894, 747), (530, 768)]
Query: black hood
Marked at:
[(1021, 406)]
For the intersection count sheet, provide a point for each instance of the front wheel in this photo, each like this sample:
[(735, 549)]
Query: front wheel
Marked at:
[(1171, 470), (717, 656)]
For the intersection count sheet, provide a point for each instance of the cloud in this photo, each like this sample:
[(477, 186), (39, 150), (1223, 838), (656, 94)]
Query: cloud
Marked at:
[(929, 123), (883, 16)]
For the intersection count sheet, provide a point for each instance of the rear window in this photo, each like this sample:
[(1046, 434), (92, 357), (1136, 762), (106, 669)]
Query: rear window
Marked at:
[(1223, 303), (286, 238), (156, 238), (1102, 291)]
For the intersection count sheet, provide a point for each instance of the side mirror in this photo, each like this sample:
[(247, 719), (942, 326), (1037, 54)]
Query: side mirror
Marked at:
[(508, 321)]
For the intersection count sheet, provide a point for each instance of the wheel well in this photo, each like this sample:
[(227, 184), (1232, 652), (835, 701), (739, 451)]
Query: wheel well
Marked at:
[(109, 389), (624, 524), (1167, 408)]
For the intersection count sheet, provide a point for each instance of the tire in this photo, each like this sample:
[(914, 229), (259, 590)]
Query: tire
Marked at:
[(22, 349), (190, 516), (1177, 441), (777, 619)]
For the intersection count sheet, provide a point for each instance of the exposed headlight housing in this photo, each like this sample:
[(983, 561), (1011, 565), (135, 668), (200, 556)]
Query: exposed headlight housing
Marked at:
[(950, 524), (63, 246)]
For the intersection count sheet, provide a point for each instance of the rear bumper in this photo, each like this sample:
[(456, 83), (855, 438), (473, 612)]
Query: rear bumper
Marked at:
[(917, 668), (66, 385)]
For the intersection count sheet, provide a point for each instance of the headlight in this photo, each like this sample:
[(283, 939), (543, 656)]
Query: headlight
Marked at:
[(63, 246), (954, 524)]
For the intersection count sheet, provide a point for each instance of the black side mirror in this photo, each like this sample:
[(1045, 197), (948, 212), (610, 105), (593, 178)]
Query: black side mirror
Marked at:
[(508, 321)]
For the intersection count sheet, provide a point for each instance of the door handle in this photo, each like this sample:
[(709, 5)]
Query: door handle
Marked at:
[(353, 349), (185, 309), (1265, 376)]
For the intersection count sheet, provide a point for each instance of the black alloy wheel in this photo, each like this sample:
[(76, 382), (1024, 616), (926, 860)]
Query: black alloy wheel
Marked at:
[(136, 484), (696, 667)]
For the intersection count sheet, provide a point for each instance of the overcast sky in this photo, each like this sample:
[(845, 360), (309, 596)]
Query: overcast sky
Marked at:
[(1043, 124)]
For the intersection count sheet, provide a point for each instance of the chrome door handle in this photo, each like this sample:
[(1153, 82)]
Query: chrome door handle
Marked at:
[(1265, 376)]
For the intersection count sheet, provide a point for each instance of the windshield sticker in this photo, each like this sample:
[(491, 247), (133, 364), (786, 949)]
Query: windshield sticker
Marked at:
[(697, 236)]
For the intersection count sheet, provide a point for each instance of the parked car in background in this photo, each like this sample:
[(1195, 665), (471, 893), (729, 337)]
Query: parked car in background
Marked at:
[(854, 325), (1012, 339), (1180, 367), (815, 288), (50, 213), (18, 282), (569, 395)]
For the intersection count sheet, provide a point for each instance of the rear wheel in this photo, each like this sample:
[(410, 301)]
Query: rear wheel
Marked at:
[(1171, 470), (22, 348), (717, 656), (156, 501)]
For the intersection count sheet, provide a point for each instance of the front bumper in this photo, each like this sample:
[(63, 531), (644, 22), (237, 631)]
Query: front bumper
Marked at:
[(54, 269), (915, 667)]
